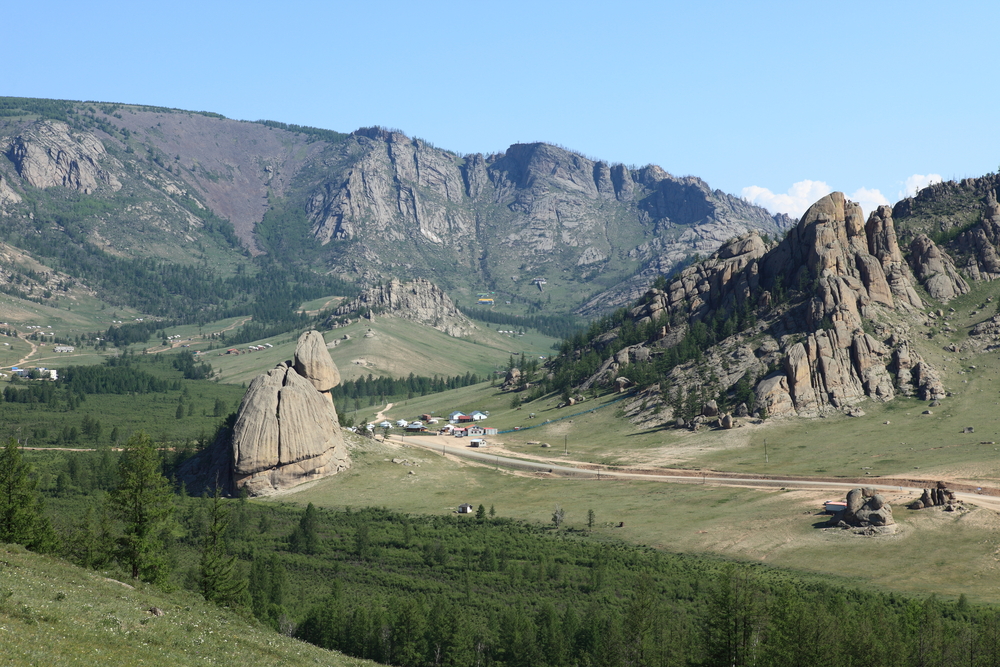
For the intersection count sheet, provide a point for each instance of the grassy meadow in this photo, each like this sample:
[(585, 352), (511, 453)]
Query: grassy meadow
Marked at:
[(949, 554), (53, 614)]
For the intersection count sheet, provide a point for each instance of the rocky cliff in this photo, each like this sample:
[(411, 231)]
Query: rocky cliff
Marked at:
[(820, 321), (499, 221), (48, 154), (417, 300)]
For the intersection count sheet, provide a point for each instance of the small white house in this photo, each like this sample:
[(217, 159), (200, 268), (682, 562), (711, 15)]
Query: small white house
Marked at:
[(465, 508), (479, 416), (386, 424), (401, 422), (62, 348), (477, 442)]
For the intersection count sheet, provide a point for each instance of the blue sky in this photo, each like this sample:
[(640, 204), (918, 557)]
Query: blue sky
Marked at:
[(777, 101)]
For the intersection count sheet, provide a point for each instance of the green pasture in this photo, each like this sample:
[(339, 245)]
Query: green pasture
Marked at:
[(933, 552)]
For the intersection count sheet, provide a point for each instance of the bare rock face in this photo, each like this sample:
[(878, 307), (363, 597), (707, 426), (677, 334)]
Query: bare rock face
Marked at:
[(774, 397), (419, 300), (48, 155), (286, 430), (935, 269), (255, 434), (883, 245), (7, 195), (313, 362), (715, 283)]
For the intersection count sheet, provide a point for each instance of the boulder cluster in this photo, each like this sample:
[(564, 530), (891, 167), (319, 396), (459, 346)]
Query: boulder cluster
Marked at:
[(865, 509), (286, 429), (940, 496)]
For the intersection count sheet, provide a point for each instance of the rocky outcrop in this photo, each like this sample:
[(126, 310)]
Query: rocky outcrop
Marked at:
[(418, 301), (936, 270), (8, 197), (728, 276), (939, 496), (286, 429), (814, 311), (884, 246), (48, 155), (313, 362), (865, 508)]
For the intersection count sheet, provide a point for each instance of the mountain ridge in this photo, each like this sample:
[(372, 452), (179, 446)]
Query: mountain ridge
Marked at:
[(197, 188)]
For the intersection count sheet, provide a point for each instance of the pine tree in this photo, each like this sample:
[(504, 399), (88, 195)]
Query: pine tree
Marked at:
[(143, 503), (221, 582), (22, 520), (305, 538)]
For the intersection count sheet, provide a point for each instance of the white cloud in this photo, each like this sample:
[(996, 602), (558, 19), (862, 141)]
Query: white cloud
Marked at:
[(869, 199), (918, 182), (799, 197), (804, 194)]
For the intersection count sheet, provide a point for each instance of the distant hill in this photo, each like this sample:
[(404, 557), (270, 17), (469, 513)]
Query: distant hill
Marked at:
[(92, 188)]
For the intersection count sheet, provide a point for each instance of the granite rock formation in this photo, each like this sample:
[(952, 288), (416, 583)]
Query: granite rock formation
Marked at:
[(48, 154), (936, 270), (829, 309), (286, 429), (865, 508), (419, 300), (313, 362)]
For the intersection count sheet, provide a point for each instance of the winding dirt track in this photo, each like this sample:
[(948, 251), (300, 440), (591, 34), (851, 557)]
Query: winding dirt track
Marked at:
[(982, 496)]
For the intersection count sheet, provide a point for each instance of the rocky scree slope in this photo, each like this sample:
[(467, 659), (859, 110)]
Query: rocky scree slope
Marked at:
[(827, 313)]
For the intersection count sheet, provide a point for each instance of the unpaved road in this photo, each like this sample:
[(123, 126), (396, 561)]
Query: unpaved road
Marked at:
[(989, 497)]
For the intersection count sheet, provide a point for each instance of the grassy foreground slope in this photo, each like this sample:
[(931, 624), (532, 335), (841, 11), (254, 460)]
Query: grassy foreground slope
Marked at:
[(53, 613)]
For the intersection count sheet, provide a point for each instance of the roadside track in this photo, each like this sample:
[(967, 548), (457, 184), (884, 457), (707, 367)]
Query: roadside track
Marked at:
[(986, 497)]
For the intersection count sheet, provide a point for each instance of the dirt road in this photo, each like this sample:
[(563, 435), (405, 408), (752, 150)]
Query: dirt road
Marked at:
[(987, 497)]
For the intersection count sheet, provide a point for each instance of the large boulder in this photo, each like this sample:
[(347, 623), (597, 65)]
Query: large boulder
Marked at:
[(286, 433), (313, 362), (865, 508)]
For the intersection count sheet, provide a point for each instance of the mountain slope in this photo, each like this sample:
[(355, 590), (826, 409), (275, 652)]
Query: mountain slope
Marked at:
[(821, 321), (542, 226)]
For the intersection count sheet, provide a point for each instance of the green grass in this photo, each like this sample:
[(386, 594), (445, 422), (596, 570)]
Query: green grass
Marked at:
[(52, 613), (777, 527), (155, 413)]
